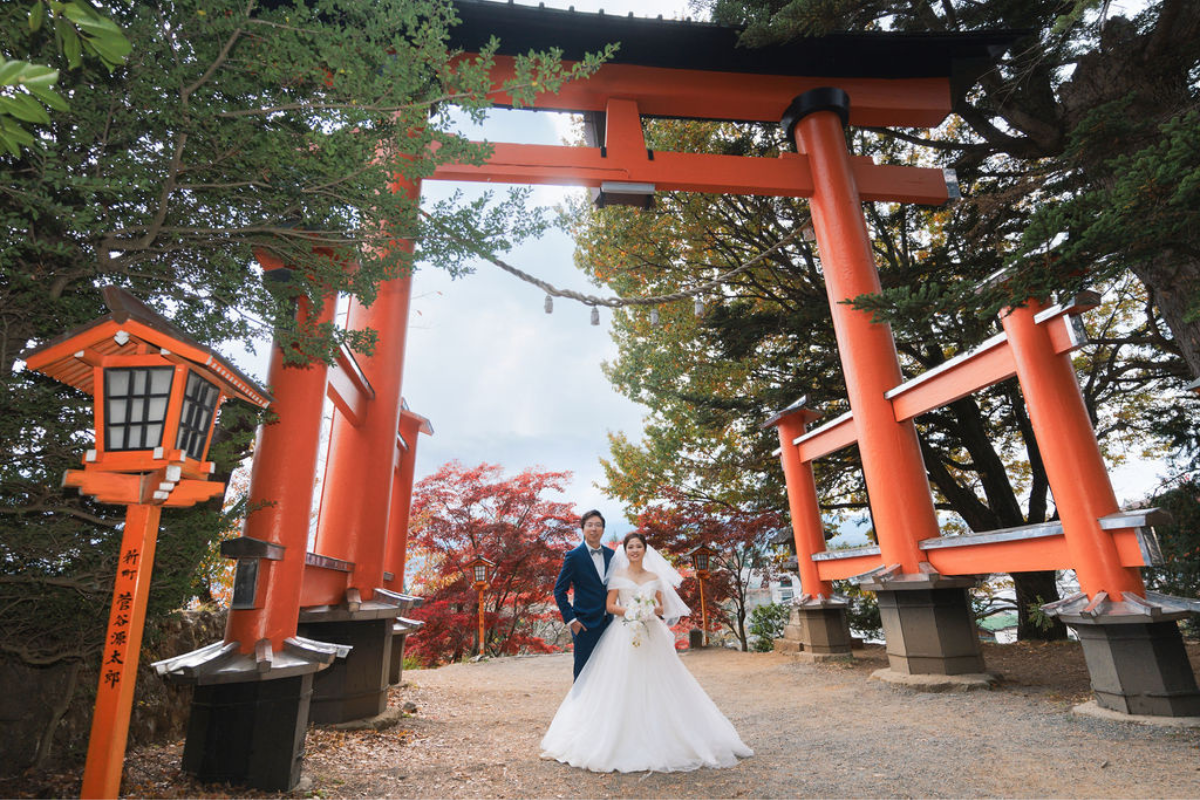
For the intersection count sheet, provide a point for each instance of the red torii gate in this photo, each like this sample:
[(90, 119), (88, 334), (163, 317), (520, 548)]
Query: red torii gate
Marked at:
[(252, 690)]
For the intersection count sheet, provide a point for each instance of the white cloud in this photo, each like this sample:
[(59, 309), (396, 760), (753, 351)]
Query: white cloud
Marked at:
[(504, 382)]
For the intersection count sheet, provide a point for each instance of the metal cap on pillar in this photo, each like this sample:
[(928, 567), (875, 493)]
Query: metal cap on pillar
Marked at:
[(825, 98)]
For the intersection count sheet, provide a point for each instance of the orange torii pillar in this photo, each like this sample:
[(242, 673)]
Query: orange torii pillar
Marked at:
[(411, 426), (926, 617), (1133, 648), (819, 628), (250, 705), (353, 523)]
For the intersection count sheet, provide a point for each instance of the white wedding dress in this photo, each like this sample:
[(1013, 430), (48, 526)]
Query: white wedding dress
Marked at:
[(637, 708)]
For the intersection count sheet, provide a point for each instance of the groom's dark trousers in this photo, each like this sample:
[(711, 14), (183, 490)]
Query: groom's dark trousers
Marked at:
[(579, 573)]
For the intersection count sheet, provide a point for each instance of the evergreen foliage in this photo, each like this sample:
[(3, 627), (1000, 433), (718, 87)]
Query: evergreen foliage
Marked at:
[(222, 131), (1179, 574)]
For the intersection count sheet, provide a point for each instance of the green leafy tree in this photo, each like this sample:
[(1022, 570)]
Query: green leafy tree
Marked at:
[(224, 130), (862, 613), (767, 623), (26, 90)]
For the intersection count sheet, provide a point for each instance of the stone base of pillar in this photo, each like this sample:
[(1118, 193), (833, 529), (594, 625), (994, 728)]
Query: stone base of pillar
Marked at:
[(355, 687), (963, 682), (818, 630), (928, 625), (1138, 667), (249, 734), (1134, 651), (1092, 709), (400, 632), (794, 650), (396, 666)]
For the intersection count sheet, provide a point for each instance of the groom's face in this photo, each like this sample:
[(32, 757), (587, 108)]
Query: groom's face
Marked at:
[(593, 532)]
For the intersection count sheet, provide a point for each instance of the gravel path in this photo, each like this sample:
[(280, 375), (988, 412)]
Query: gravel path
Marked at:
[(817, 730)]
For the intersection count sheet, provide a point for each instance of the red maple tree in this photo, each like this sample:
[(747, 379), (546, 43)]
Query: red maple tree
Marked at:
[(462, 512), (740, 538)]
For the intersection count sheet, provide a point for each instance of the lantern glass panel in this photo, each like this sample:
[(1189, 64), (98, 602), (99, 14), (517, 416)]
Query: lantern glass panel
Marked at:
[(135, 406), (702, 561), (480, 573), (199, 404)]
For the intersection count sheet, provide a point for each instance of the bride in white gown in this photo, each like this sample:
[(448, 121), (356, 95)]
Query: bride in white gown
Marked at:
[(635, 707)]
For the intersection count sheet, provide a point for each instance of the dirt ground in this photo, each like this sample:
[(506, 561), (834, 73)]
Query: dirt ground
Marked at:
[(817, 731)]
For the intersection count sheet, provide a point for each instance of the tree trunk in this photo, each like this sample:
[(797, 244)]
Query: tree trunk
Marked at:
[(1174, 283), (1033, 590)]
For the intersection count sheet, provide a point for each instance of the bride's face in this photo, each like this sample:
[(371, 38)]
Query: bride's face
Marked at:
[(635, 550)]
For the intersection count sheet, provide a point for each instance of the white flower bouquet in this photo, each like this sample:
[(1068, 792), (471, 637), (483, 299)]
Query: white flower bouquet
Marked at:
[(639, 611)]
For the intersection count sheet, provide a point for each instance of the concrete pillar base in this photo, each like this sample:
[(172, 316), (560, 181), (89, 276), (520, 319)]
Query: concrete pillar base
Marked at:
[(355, 687), (938, 683), (396, 662), (401, 630), (812, 658), (249, 734), (1138, 668), (928, 625), (1092, 709), (818, 630)]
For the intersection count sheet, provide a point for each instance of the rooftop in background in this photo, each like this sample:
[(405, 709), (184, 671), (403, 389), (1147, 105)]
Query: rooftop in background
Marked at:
[(674, 44)]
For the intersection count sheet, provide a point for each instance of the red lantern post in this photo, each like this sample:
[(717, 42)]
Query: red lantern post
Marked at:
[(481, 571), (156, 395), (701, 557)]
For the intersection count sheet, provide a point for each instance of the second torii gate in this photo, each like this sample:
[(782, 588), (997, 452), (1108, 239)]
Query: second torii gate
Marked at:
[(814, 88), (347, 591)]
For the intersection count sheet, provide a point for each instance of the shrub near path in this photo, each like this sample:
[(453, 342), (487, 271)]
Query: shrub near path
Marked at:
[(817, 730)]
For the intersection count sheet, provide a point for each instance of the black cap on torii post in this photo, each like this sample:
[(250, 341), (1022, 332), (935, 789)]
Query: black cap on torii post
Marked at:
[(824, 98)]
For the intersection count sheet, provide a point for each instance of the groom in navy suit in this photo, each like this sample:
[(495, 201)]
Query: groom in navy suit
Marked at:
[(583, 569)]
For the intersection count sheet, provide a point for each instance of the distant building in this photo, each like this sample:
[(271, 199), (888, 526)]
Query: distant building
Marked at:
[(999, 628)]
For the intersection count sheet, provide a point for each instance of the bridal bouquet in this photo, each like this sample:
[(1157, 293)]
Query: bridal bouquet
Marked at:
[(637, 613)]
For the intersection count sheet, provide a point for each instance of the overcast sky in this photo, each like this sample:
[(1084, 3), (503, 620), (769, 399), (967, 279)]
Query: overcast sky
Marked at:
[(501, 380), (505, 383)]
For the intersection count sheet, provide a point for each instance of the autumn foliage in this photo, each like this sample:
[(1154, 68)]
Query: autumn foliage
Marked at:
[(740, 539), (462, 512)]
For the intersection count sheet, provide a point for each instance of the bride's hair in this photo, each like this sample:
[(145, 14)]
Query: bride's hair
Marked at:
[(634, 535)]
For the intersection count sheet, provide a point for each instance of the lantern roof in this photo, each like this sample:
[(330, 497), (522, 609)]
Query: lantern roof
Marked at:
[(701, 549), (133, 328), (481, 560), (960, 58)]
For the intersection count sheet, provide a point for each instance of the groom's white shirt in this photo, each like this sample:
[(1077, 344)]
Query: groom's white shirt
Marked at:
[(598, 561)]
